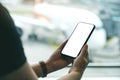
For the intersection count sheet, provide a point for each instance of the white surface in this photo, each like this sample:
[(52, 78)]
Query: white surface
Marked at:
[(88, 78)]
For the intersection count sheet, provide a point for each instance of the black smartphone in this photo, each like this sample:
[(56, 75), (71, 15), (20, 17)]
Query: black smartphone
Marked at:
[(78, 39)]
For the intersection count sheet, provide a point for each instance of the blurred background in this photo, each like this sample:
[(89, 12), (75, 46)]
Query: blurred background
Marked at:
[(44, 24)]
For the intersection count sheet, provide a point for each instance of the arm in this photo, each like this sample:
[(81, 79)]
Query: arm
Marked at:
[(72, 76), (55, 62), (25, 72)]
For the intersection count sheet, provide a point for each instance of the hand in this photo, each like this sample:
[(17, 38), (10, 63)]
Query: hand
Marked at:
[(79, 65), (81, 62), (57, 61)]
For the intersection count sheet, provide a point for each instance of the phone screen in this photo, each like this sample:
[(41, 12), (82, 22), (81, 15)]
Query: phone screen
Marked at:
[(78, 38)]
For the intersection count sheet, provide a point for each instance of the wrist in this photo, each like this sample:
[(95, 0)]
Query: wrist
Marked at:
[(44, 69), (49, 66), (76, 75), (76, 70), (39, 70)]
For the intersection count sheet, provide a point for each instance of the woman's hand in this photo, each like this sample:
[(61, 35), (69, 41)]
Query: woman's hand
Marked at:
[(79, 65), (57, 61), (81, 62)]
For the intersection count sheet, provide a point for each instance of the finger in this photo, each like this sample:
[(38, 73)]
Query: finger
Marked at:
[(87, 56), (62, 45), (86, 59), (84, 50)]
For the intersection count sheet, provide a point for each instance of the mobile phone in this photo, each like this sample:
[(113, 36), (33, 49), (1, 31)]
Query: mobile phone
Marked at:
[(78, 39)]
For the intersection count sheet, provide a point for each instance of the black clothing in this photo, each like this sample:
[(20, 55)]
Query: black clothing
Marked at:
[(12, 54)]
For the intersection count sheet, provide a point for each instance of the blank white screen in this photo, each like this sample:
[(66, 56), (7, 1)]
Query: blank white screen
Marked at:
[(77, 39)]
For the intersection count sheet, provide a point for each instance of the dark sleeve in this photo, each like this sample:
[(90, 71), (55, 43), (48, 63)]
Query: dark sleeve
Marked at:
[(12, 54)]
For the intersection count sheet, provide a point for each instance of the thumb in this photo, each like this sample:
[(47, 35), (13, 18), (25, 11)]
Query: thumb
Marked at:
[(62, 45)]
